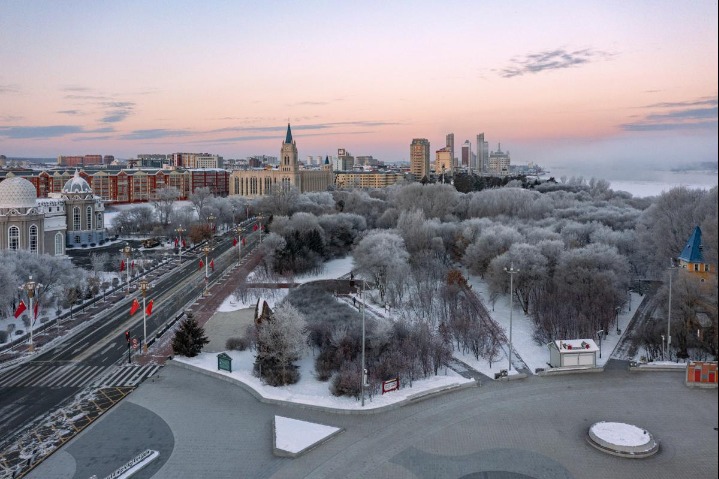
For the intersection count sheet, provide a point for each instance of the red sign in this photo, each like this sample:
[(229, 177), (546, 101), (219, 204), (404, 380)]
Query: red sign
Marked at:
[(390, 385), (134, 343)]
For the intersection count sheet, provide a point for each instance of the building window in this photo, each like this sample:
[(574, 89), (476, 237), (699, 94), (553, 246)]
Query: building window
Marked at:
[(77, 239), (13, 237), (88, 217), (76, 219), (98, 221), (33, 239), (58, 244)]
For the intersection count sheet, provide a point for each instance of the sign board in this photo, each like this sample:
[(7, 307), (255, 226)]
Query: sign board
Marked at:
[(224, 362), (134, 343), (390, 385)]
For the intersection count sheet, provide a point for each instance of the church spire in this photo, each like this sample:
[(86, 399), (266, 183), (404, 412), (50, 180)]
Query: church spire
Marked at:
[(288, 137)]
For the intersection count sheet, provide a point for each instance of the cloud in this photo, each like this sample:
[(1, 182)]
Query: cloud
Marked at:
[(698, 114), (9, 88), (154, 134), (23, 132), (70, 112), (274, 137), (117, 111), (550, 60)]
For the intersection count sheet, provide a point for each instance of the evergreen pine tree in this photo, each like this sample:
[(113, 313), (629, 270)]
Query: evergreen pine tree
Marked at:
[(190, 338)]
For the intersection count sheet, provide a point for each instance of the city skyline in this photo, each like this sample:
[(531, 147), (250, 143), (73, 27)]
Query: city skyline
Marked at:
[(630, 85)]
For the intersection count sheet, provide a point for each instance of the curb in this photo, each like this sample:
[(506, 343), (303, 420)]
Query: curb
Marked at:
[(410, 400), (562, 371), (678, 369)]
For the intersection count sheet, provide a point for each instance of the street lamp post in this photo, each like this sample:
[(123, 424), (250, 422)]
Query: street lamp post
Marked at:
[(31, 286), (239, 243), (206, 250), (180, 230), (511, 272), (669, 312), (144, 286), (662, 347), (127, 250), (363, 375), (600, 333), (616, 319), (211, 221)]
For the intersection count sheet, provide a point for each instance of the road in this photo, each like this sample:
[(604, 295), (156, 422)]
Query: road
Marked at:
[(96, 354)]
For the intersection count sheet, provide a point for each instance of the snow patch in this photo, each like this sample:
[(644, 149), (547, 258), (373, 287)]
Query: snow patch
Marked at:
[(295, 436)]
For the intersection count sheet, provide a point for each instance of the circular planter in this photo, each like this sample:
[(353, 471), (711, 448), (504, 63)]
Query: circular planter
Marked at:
[(623, 440)]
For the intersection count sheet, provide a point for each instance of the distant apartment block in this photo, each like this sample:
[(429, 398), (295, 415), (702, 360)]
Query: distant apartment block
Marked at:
[(468, 157), (196, 160), (366, 179), (419, 158), (345, 160), (86, 160)]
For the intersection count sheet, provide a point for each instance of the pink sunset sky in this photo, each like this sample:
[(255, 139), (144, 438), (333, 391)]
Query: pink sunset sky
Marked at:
[(617, 82)]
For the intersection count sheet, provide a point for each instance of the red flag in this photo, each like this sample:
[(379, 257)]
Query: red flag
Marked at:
[(148, 309), (20, 308), (135, 307), (176, 241), (212, 264), (243, 242), (35, 308), (201, 264), (122, 266), (234, 241), (254, 227), (132, 265), (184, 245)]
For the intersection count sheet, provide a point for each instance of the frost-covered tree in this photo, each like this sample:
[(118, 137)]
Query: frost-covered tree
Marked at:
[(381, 256), (190, 337), (163, 201), (281, 340), (199, 199)]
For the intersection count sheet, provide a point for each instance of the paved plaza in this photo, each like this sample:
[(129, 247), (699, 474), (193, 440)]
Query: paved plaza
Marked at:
[(533, 428)]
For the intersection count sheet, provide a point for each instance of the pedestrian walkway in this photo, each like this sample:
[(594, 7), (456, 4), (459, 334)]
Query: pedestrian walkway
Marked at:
[(71, 374)]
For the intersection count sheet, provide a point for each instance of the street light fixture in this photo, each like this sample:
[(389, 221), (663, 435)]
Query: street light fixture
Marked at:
[(144, 286), (600, 333), (207, 249), (511, 272), (363, 374), (180, 230), (669, 312), (238, 229), (30, 287), (127, 251)]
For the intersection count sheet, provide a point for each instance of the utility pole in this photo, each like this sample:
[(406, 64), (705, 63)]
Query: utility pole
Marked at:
[(511, 272)]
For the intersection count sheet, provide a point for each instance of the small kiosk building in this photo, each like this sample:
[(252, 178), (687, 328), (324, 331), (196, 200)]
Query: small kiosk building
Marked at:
[(572, 353)]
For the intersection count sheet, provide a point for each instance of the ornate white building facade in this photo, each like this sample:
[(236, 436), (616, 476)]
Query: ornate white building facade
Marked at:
[(72, 218)]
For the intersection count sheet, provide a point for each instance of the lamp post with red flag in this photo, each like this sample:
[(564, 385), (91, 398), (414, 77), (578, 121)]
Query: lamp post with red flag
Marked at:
[(127, 251), (239, 243), (144, 286), (31, 287)]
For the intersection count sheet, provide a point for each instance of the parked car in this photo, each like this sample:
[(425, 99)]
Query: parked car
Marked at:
[(19, 332), (151, 242)]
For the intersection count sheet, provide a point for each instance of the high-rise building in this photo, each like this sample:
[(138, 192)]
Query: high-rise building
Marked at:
[(419, 158), (467, 155), (499, 161), (443, 162), (482, 154), (345, 159), (450, 145)]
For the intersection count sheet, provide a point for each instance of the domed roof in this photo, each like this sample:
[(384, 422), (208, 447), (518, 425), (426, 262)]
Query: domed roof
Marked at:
[(17, 192), (76, 184)]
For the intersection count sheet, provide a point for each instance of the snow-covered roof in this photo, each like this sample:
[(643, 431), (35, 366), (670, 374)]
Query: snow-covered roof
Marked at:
[(76, 184), (576, 345)]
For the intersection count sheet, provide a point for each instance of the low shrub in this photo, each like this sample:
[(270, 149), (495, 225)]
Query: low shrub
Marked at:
[(237, 344)]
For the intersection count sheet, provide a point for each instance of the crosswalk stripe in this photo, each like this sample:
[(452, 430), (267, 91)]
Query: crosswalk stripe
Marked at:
[(77, 375)]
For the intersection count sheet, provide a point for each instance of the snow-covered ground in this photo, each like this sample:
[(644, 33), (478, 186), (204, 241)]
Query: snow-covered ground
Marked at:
[(294, 436), (533, 354)]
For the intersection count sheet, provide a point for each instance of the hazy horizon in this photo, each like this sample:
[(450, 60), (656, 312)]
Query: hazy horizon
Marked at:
[(556, 83)]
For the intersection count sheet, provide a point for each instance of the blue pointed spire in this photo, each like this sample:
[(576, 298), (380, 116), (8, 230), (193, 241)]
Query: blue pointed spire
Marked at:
[(327, 160), (692, 252), (288, 137)]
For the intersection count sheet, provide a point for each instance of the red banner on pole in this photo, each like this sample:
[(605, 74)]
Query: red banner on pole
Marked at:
[(20, 308), (135, 306), (122, 266), (148, 309)]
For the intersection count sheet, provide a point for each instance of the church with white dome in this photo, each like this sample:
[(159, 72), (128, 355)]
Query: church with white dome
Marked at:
[(69, 219)]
